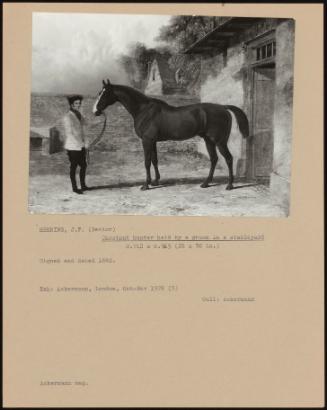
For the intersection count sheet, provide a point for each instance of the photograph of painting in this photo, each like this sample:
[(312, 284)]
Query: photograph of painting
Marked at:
[(196, 115)]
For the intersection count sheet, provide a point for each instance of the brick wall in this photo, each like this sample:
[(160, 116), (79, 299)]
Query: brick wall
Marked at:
[(47, 111)]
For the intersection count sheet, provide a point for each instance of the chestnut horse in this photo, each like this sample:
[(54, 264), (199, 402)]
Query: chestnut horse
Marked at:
[(155, 120)]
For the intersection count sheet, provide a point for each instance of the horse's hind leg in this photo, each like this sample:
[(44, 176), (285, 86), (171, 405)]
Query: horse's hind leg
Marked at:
[(211, 147), (223, 149), (147, 148), (154, 159)]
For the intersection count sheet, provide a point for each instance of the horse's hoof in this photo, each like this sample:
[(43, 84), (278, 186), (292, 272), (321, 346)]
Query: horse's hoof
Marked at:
[(204, 185), (155, 182), (144, 187), (229, 187)]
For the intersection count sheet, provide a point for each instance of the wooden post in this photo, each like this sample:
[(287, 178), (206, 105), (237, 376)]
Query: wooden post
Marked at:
[(55, 144)]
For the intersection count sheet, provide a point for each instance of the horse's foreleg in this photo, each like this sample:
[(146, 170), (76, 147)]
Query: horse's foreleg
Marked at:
[(223, 149), (147, 148), (211, 147), (154, 159)]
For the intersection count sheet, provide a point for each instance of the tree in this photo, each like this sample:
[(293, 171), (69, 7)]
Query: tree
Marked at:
[(183, 31)]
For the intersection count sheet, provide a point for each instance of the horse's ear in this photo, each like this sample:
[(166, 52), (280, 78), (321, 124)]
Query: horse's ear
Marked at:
[(104, 84), (108, 82)]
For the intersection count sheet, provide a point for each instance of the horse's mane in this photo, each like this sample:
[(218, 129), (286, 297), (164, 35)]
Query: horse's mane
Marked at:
[(159, 101), (140, 96), (137, 93)]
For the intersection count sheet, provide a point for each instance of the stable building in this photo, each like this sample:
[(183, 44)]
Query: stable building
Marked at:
[(162, 79), (248, 62)]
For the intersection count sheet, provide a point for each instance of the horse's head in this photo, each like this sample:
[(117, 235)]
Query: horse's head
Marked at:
[(106, 97)]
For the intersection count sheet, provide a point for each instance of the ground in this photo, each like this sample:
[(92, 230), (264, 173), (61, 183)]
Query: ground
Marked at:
[(116, 177)]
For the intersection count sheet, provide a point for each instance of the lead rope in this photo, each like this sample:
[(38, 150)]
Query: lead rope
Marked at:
[(97, 139)]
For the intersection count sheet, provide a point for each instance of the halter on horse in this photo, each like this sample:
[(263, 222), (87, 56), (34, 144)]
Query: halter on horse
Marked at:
[(155, 120)]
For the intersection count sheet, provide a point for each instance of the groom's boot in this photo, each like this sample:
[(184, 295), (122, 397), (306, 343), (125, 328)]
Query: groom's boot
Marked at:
[(74, 185), (82, 174)]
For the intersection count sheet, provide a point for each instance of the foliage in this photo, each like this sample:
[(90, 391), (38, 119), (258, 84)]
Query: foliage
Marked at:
[(178, 35), (183, 31)]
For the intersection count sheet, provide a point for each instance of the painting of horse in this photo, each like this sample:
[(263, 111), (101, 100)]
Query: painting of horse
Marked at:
[(155, 120)]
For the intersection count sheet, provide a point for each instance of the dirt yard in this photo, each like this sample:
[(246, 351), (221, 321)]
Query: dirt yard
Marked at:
[(116, 177)]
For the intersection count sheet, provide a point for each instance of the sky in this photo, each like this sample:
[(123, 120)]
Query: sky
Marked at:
[(72, 53)]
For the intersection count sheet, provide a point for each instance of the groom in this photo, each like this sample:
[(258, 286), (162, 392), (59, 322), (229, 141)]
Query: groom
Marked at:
[(75, 142)]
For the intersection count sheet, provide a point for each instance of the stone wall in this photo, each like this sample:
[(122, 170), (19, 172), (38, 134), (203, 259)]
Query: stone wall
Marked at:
[(281, 175)]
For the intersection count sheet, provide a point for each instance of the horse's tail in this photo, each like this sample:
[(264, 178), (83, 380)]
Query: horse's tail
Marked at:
[(242, 119)]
